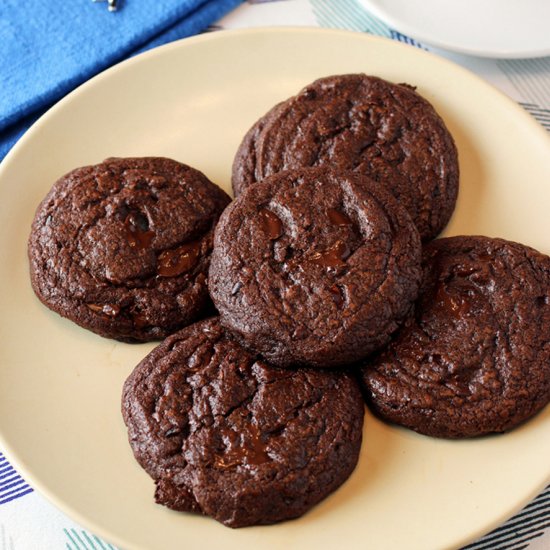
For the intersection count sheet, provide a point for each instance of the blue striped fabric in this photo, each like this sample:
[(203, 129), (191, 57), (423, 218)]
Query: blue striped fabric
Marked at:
[(531, 77), (518, 532), (82, 540), (12, 485), (540, 114), (400, 37), (347, 14)]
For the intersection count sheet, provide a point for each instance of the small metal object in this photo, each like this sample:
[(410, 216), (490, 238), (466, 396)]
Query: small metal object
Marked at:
[(112, 4)]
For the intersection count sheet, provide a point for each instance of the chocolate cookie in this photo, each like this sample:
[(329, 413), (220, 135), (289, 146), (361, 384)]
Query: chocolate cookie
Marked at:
[(123, 248), (475, 356), (314, 267), (225, 435), (244, 165), (363, 123)]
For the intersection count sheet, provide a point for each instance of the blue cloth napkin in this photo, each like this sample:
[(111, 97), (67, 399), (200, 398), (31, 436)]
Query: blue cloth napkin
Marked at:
[(48, 47)]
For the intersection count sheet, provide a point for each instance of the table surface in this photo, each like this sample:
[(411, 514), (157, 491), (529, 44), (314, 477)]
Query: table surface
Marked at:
[(29, 522)]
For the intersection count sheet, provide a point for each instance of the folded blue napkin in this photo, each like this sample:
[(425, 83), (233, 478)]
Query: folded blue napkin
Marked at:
[(48, 47)]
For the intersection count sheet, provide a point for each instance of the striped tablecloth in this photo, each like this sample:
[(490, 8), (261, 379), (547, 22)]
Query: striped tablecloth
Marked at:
[(29, 522)]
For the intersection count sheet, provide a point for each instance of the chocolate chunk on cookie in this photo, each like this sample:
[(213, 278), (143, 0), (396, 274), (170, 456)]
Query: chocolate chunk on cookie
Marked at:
[(225, 435), (475, 357), (363, 123), (123, 247), (314, 267)]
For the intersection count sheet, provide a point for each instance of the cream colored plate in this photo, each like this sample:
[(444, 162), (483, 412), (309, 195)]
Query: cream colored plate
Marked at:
[(60, 385)]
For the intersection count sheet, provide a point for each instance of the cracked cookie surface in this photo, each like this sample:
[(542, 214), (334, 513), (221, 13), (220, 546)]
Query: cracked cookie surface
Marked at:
[(226, 435), (314, 267), (123, 247), (359, 122), (474, 358)]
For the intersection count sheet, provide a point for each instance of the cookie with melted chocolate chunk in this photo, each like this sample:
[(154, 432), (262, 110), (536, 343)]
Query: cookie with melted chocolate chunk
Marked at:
[(123, 247), (358, 122), (474, 357), (314, 267), (225, 435)]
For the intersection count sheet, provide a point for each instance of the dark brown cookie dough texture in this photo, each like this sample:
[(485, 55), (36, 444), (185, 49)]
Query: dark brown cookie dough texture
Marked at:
[(475, 357), (123, 247), (314, 267), (225, 435), (363, 123)]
